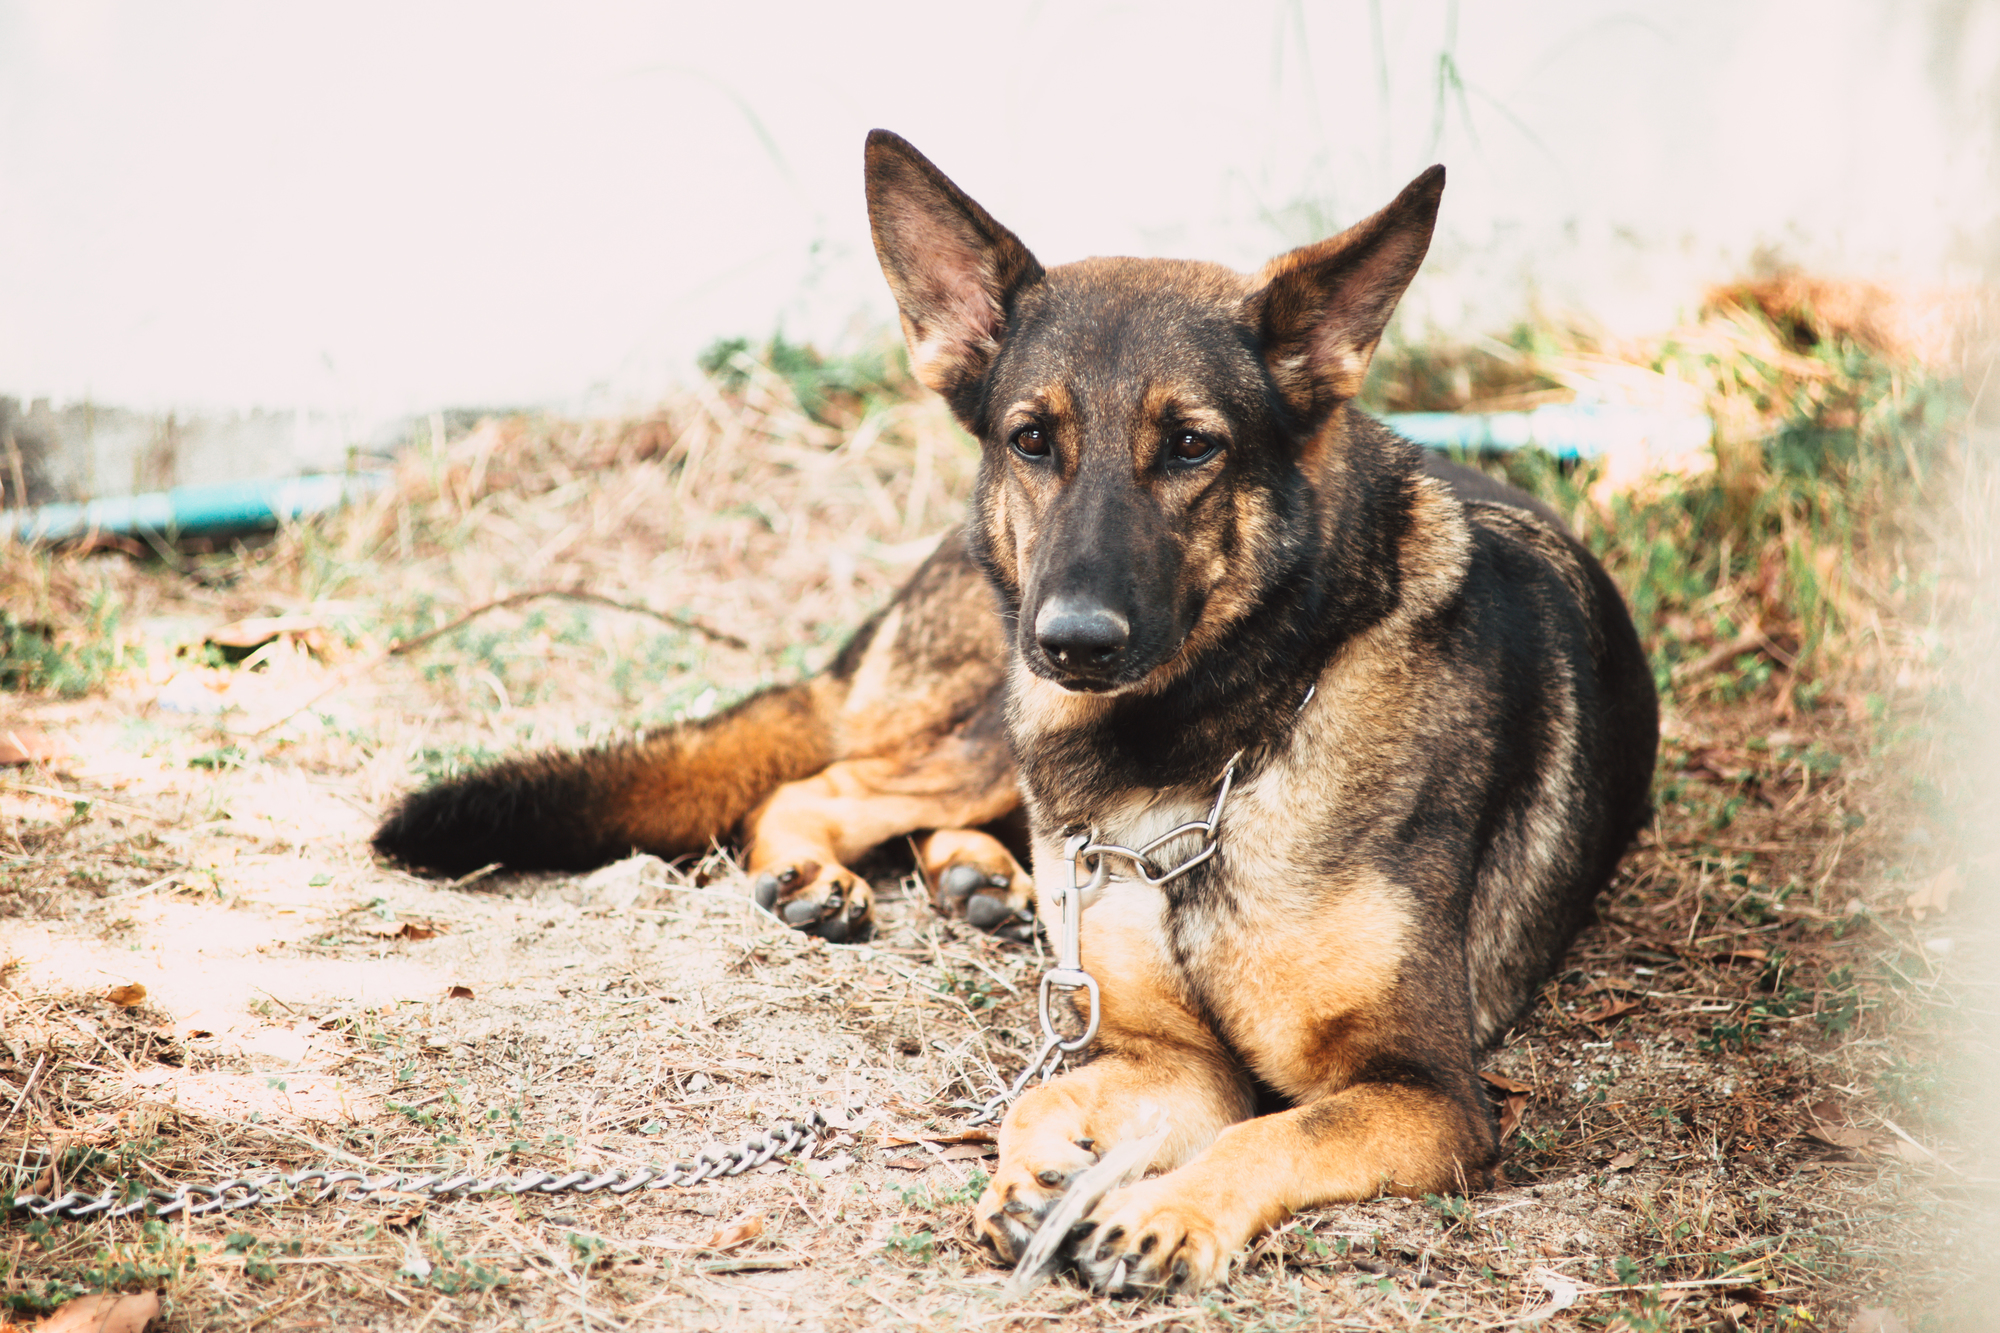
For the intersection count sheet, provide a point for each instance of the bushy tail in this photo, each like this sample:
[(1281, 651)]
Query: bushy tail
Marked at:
[(670, 794)]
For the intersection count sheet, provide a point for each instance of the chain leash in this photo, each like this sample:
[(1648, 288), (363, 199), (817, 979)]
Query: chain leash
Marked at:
[(778, 1140), (1084, 850)]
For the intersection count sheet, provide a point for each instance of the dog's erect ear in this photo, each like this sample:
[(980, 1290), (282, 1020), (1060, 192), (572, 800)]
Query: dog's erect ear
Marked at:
[(953, 269), (1321, 309)]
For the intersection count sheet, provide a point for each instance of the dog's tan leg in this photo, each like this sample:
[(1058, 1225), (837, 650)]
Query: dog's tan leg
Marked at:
[(1060, 1128), (1183, 1228), (801, 838), (973, 876)]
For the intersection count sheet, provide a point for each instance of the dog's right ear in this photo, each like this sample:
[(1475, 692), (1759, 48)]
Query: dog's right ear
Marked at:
[(955, 271), (1321, 309)]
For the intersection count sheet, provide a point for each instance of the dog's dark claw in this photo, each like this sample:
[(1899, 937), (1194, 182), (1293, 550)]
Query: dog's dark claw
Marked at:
[(766, 891), (800, 911)]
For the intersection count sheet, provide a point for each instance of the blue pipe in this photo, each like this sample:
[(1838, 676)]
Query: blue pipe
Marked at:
[(223, 506), (1567, 430)]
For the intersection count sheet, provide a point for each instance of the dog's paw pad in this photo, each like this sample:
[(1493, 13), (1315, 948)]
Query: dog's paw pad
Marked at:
[(834, 905)]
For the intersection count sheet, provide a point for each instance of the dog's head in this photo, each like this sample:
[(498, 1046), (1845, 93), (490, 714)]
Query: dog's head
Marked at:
[(1158, 435)]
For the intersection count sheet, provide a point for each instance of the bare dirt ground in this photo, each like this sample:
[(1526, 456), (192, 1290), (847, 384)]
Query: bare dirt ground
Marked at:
[(1754, 1098)]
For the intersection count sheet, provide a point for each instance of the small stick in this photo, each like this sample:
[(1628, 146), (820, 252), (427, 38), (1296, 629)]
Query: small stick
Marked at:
[(57, 793), (464, 880), (33, 1076), (401, 646)]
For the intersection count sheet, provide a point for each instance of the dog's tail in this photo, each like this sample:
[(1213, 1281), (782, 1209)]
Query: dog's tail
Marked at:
[(671, 794)]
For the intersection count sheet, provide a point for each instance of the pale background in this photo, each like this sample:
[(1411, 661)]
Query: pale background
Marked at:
[(378, 209)]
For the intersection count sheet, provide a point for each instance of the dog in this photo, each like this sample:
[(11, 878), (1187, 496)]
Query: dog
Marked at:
[(1406, 712)]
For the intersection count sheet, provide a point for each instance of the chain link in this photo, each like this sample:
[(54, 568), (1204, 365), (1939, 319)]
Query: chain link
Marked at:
[(1069, 973), (780, 1139)]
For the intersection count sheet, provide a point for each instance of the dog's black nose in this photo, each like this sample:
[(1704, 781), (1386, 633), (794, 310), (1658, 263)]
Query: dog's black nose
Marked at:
[(1077, 633)]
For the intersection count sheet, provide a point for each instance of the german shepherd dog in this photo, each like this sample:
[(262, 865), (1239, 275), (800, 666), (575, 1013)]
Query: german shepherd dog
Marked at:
[(1442, 721)]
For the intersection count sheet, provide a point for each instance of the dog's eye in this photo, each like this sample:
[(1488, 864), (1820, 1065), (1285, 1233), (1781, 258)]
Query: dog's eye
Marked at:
[(1031, 442), (1190, 446)]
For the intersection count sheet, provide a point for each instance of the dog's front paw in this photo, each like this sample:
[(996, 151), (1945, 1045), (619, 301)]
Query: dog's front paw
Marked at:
[(1150, 1237), (1021, 1193), (987, 899), (833, 903), (974, 878)]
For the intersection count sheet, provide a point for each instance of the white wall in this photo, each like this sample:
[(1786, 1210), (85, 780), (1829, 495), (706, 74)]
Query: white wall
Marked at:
[(376, 208)]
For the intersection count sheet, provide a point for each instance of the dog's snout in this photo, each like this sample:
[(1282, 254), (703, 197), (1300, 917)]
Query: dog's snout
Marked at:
[(1078, 633)]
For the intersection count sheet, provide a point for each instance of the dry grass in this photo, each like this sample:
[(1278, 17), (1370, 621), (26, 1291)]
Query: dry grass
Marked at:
[(1752, 1099)]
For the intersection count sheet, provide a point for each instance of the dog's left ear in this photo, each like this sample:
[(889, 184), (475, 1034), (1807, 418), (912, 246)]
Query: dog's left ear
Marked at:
[(1320, 310), (954, 271)]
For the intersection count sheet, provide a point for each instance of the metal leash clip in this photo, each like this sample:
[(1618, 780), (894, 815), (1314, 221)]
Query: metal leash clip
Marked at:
[(1068, 974)]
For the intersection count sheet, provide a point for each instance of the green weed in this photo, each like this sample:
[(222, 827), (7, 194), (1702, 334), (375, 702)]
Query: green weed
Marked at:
[(441, 763), (70, 662), (976, 992), (834, 391), (223, 757), (919, 1247)]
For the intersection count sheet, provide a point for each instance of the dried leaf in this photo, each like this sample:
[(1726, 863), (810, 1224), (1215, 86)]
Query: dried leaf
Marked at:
[(1841, 1136), (908, 1163), (1934, 894), (965, 1152), (1751, 1296), (969, 1136), (1624, 1161), (104, 1312), (1914, 1153), (259, 630), (418, 929), (407, 1215), (1562, 1292), (739, 1232), (21, 745), (1612, 1009), (127, 995), (459, 993), (1513, 1105)]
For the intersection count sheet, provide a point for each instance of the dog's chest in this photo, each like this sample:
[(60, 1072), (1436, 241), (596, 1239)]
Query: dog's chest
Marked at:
[(1272, 949)]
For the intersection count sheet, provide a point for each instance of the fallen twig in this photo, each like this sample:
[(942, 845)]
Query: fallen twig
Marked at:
[(1749, 641), (34, 1075), (402, 646)]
